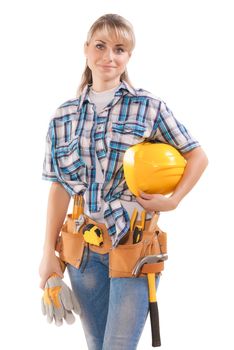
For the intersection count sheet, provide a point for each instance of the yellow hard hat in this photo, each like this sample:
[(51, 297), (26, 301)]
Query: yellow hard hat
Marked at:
[(153, 168)]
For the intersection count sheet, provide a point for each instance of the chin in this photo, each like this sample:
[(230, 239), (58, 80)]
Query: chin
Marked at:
[(109, 77)]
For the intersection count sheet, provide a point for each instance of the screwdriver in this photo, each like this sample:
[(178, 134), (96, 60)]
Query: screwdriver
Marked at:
[(77, 206)]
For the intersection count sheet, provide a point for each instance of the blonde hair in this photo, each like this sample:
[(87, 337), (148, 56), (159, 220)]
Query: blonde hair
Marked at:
[(121, 28)]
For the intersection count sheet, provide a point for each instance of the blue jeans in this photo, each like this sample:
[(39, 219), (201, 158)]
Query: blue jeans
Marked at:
[(114, 310)]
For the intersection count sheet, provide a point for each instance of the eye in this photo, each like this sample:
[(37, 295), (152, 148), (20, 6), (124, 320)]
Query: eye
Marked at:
[(119, 50), (99, 46)]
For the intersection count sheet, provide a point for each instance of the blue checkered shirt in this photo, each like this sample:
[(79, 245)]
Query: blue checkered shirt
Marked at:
[(76, 133)]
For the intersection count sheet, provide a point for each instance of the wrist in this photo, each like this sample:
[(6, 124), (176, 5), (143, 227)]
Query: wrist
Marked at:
[(49, 249), (175, 200)]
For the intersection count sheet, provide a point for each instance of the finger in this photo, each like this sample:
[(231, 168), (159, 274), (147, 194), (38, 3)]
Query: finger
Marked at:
[(49, 313), (66, 298), (59, 311), (139, 200), (146, 195), (50, 310), (69, 317), (49, 319), (58, 321), (43, 308), (142, 201), (146, 204), (58, 316)]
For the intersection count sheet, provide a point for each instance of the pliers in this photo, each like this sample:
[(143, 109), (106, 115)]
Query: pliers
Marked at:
[(138, 229)]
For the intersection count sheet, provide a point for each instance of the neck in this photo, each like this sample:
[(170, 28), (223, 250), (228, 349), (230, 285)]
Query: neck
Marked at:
[(99, 86)]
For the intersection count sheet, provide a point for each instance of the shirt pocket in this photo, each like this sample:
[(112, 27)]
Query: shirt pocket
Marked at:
[(70, 165), (126, 134)]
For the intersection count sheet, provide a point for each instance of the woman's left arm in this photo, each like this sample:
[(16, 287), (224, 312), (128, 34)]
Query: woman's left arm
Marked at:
[(196, 163)]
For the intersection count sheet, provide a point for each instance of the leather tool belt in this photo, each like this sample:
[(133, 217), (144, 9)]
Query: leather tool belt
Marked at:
[(122, 259)]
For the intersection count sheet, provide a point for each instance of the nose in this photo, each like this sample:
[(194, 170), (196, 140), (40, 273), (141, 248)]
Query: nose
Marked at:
[(108, 55)]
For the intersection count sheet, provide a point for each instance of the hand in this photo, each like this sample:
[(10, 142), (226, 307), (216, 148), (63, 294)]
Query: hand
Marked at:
[(49, 264), (156, 202)]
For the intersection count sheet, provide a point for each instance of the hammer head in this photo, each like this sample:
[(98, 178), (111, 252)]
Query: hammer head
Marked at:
[(150, 259)]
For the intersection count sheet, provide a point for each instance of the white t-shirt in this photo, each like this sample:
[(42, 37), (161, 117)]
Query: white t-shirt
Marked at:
[(102, 99)]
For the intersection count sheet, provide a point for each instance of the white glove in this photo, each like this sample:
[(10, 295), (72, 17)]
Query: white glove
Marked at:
[(58, 301)]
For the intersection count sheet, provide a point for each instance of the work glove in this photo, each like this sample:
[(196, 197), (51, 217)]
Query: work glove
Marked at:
[(58, 301)]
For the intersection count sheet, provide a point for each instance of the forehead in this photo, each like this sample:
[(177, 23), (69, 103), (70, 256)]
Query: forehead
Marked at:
[(112, 37)]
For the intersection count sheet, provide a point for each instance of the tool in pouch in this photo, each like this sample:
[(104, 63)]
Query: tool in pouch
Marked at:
[(78, 211), (137, 229), (91, 233)]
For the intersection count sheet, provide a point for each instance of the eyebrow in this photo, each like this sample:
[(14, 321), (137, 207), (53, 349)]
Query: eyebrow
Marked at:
[(105, 43)]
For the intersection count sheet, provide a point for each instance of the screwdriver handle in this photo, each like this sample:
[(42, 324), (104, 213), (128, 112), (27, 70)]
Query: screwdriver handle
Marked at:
[(137, 235), (78, 206)]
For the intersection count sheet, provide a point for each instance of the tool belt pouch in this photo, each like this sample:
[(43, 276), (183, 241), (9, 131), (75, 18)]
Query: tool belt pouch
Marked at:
[(70, 244), (123, 258)]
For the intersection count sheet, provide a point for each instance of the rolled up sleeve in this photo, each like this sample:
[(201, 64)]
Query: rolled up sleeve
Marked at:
[(168, 129), (48, 167)]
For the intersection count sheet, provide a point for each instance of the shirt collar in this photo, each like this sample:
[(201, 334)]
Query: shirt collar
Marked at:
[(84, 96), (124, 86)]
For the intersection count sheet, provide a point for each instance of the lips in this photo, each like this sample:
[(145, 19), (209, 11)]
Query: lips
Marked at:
[(106, 66)]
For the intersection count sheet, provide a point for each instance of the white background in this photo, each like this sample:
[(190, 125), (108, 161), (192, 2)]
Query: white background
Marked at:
[(184, 55)]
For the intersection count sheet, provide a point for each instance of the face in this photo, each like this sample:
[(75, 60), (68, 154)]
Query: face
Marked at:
[(107, 57)]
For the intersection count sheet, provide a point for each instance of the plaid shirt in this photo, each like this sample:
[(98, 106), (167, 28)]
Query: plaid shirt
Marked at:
[(76, 133)]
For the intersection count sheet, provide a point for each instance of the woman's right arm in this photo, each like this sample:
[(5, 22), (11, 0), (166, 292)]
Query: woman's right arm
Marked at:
[(58, 202)]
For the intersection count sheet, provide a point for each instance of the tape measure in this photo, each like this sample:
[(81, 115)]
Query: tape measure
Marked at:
[(93, 235)]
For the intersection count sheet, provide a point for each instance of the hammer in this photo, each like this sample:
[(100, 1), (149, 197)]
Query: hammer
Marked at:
[(153, 305)]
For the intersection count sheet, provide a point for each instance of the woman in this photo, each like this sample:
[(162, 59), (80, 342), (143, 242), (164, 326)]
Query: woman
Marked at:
[(84, 154)]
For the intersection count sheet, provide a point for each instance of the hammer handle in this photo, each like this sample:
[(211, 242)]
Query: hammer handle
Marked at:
[(153, 307), (154, 320)]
